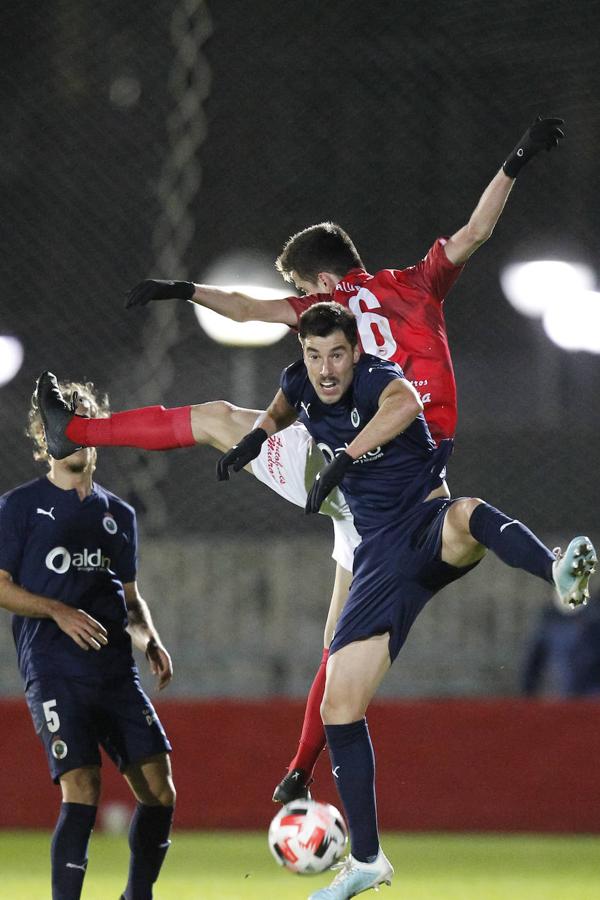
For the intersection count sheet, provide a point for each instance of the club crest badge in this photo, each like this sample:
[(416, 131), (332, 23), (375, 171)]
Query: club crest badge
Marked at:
[(109, 524), (59, 749)]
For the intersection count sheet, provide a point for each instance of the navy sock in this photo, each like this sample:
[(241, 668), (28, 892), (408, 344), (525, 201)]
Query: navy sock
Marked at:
[(68, 850), (511, 541), (353, 766), (148, 841)]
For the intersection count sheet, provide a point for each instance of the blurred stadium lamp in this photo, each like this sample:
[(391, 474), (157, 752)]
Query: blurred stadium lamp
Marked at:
[(532, 287), (11, 358), (575, 325), (243, 334), (560, 294), (250, 273)]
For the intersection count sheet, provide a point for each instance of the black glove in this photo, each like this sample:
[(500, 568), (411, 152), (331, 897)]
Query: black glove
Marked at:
[(543, 133), (158, 289), (240, 455), (326, 480)]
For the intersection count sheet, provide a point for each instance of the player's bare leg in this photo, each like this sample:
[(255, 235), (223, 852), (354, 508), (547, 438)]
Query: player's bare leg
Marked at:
[(81, 785), (151, 781), (353, 675), (296, 782), (69, 849), (221, 424), (459, 547)]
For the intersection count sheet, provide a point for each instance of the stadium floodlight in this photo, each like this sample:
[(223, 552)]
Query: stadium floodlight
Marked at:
[(532, 287), (574, 323), (11, 358), (243, 334)]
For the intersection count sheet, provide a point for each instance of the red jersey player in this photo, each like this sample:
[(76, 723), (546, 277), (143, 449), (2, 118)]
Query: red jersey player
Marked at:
[(399, 314), (400, 317)]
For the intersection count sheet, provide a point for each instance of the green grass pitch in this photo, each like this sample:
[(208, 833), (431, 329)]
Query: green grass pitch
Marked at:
[(228, 866)]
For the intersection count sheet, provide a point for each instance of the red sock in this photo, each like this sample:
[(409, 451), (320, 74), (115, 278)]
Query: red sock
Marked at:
[(150, 428), (312, 739)]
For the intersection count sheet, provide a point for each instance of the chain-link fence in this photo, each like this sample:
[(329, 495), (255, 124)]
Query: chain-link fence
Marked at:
[(155, 138)]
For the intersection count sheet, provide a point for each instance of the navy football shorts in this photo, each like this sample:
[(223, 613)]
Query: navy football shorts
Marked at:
[(73, 717), (397, 569)]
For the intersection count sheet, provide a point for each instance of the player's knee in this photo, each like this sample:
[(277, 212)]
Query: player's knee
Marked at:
[(338, 710), (81, 786), (462, 510), (207, 418), (167, 795)]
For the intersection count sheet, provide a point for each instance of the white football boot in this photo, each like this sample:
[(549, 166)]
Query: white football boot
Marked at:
[(572, 569), (355, 877)]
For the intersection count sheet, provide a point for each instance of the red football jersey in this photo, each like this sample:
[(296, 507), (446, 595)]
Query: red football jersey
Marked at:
[(400, 317)]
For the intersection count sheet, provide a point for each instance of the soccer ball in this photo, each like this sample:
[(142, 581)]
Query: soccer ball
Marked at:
[(307, 837)]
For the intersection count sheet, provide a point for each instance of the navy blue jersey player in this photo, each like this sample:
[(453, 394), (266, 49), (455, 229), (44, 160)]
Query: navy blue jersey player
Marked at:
[(415, 540), (68, 560)]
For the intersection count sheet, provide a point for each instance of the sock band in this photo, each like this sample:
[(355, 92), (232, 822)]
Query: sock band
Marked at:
[(353, 767), (69, 849), (312, 739), (149, 428), (511, 541), (148, 841)]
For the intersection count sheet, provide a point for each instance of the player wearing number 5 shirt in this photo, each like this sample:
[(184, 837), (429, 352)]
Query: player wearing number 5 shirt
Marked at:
[(68, 559)]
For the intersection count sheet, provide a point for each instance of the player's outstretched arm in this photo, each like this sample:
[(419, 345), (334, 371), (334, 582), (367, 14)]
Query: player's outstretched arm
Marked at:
[(232, 304), (278, 416), (399, 405), (543, 134), (145, 636), (77, 624)]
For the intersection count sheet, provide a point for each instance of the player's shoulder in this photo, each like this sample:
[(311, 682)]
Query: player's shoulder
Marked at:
[(368, 364), (435, 255), (371, 376), (294, 375), (24, 494), (114, 504)]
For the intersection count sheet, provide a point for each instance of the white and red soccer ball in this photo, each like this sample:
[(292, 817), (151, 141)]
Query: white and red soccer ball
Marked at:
[(307, 837)]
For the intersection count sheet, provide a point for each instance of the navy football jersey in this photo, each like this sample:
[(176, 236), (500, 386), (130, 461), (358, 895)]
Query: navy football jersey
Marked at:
[(388, 479), (79, 552)]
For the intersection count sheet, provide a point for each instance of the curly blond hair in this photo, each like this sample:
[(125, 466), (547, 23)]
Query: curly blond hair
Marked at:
[(96, 406)]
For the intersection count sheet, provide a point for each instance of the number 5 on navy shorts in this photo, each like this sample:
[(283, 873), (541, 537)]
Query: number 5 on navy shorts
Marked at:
[(75, 717)]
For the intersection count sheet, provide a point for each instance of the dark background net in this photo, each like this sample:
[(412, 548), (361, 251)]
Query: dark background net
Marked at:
[(144, 139)]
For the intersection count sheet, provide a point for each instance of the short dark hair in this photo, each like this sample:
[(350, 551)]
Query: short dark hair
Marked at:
[(319, 248), (322, 319)]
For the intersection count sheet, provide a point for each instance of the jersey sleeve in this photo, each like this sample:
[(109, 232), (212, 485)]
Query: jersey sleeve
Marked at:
[(12, 535), (126, 564), (301, 304), (435, 274)]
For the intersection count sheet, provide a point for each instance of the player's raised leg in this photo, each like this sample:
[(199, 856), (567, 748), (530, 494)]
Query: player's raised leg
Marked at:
[(353, 675), (149, 428), (471, 525), (151, 782), (312, 739)]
